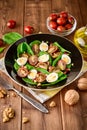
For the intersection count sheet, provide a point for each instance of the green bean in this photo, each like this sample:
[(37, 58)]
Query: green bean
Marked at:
[(16, 66), (34, 42), (42, 70), (24, 47), (29, 50), (63, 77), (56, 60), (61, 48), (29, 81), (42, 53), (29, 67), (69, 65)]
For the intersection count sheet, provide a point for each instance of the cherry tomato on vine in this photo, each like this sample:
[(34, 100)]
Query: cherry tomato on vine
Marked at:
[(11, 24), (28, 29)]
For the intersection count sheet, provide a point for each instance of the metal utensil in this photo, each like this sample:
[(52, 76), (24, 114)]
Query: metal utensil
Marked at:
[(33, 102)]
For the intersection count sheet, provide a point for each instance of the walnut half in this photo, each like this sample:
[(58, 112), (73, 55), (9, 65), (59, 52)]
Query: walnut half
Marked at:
[(25, 120), (3, 93), (8, 113)]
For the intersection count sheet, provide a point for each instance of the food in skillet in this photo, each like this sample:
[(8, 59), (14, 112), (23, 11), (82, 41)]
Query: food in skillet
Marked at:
[(41, 63)]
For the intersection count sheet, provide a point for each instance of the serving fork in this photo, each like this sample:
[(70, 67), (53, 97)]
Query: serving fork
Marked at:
[(33, 102)]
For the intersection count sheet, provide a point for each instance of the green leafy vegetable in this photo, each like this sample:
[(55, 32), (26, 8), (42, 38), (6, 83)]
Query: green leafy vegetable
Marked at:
[(34, 42), (61, 48), (56, 60), (2, 49), (44, 71), (24, 47), (11, 37), (29, 81)]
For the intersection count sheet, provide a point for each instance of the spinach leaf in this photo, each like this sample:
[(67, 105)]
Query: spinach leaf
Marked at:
[(11, 37)]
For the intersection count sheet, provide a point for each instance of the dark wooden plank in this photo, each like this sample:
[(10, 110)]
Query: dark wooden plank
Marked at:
[(83, 11), (11, 10), (38, 13), (13, 102), (71, 115)]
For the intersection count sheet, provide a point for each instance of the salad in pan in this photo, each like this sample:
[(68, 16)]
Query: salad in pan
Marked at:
[(41, 63)]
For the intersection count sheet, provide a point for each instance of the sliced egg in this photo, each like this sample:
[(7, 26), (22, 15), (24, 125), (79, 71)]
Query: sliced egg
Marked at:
[(32, 74), (52, 77), (43, 46), (43, 58), (66, 58), (21, 61), (81, 41)]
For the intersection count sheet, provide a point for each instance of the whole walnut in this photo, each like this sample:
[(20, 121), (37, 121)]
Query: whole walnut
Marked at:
[(82, 83), (71, 97)]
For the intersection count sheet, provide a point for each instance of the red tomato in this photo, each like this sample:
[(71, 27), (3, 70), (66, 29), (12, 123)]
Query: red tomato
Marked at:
[(53, 17), (71, 20), (11, 24), (64, 14), (53, 24), (61, 28), (1, 42), (61, 21), (68, 26), (29, 29)]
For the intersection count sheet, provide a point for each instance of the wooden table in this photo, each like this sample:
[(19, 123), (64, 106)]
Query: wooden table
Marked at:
[(61, 117)]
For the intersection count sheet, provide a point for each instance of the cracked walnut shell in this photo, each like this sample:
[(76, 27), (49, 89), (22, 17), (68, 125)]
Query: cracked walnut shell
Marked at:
[(71, 97)]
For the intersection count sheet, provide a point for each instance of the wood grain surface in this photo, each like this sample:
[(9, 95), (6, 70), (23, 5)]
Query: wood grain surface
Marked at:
[(62, 116)]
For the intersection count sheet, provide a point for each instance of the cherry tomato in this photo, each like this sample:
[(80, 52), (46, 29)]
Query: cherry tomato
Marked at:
[(71, 20), (53, 17), (68, 26), (11, 24), (61, 21), (1, 42), (61, 28), (64, 14), (29, 29), (53, 24)]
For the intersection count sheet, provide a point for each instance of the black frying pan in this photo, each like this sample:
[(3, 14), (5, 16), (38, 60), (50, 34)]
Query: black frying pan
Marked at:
[(65, 43)]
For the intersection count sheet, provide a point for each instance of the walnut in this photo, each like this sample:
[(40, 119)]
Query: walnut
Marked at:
[(52, 104), (3, 93), (82, 83), (13, 94), (25, 120), (8, 113), (71, 97)]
